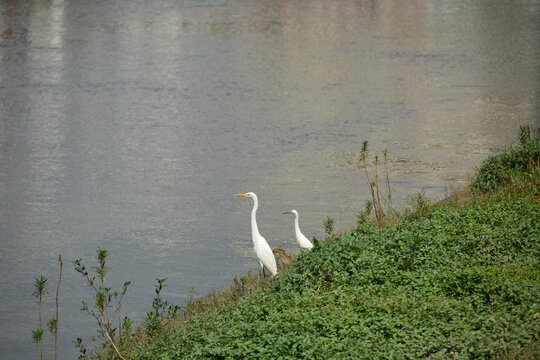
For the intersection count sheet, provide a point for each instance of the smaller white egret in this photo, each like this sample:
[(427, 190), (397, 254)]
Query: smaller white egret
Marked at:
[(300, 238), (262, 249)]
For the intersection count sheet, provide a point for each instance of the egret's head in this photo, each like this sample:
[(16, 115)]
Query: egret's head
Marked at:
[(292, 212), (249, 194)]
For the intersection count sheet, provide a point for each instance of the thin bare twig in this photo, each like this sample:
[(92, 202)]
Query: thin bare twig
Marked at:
[(115, 348), (57, 293), (363, 158), (390, 207), (379, 206)]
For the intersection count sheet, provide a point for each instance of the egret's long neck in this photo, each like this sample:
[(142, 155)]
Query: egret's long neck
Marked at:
[(254, 227), (296, 226)]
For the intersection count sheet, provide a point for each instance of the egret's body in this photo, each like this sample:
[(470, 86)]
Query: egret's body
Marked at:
[(263, 251), (300, 238)]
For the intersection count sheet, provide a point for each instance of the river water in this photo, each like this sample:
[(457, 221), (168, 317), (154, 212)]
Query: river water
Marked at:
[(129, 125)]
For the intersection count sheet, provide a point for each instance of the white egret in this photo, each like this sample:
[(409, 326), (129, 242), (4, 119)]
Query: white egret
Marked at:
[(300, 238), (261, 247)]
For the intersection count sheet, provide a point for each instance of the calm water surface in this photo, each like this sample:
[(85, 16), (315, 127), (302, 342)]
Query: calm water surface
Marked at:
[(129, 125)]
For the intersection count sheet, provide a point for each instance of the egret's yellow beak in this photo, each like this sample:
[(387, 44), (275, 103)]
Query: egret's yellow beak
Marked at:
[(241, 195)]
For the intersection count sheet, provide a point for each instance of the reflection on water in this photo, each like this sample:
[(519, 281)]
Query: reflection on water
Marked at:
[(130, 125)]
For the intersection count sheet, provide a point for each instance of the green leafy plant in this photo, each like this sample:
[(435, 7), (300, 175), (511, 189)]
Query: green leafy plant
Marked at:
[(419, 206), (83, 351), (161, 309), (104, 298), (51, 325), (378, 201), (40, 290), (151, 323), (363, 216), (159, 304), (329, 225), (127, 324), (498, 170), (37, 336)]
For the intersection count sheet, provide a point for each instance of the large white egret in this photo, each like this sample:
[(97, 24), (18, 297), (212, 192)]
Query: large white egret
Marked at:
[(300, 238), (262, 249)]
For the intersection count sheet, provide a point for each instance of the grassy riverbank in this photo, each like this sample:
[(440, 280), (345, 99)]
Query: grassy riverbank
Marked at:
[(456, 280)]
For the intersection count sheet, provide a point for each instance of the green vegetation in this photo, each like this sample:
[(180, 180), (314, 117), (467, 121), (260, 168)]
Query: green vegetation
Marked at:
[(521, 160), (104, 299), (51, 325), (378, 200), (445, 281), (461, 283), (329, 225), (37, 336), (161, 312), (40, 291), (458, 279)]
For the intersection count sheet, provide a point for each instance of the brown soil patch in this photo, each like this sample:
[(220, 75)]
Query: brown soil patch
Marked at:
[(459, 198)]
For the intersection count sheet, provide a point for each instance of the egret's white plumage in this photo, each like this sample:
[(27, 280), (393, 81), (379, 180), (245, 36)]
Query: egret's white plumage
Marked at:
[(300, 238), (262, 249)]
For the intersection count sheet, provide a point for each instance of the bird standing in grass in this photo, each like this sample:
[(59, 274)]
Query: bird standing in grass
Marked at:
[(300, 238), (262, 249), (286, 260)]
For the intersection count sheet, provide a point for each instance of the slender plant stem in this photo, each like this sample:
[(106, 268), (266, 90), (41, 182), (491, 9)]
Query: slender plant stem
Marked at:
[(377, 186), (370, 185), (108, 326), (390, 207), (57, 293), (40, 326), (100, 321), (115, 348), (119, 321)]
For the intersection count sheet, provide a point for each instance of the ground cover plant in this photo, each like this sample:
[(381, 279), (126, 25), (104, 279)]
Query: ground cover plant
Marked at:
[(523, 158), (449, 282)]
